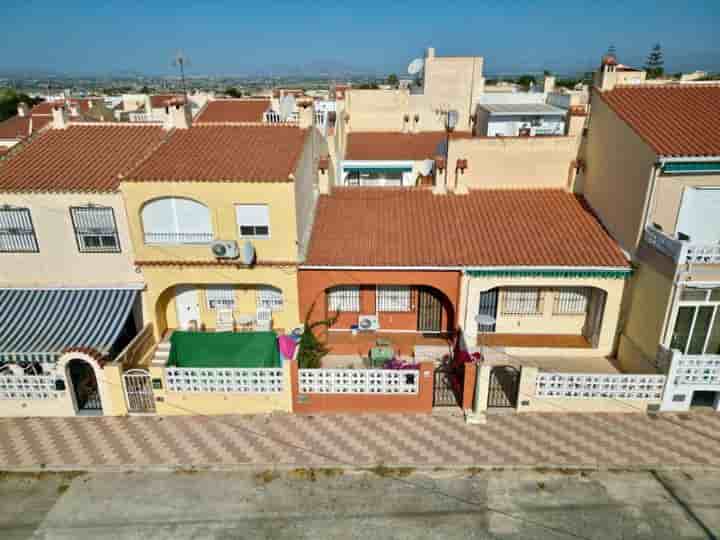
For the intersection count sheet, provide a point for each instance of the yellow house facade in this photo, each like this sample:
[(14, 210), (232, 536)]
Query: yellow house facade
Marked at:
[(250, 188)]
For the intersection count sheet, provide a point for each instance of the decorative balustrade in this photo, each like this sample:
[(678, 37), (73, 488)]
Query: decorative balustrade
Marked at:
[(696, 370), (35, 387), (145, 117), (359, 381), (682, 251), (595, 385), (179, 238), (225, 380)]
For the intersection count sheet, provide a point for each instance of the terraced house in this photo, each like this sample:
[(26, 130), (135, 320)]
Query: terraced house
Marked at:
[(652, 174), (69, 288)]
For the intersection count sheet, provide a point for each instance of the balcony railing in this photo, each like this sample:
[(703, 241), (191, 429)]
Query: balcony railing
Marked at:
[(682, 251), (178, 238), (145, 117)]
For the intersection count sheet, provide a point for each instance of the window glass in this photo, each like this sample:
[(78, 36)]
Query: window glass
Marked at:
[(690, 294), (683, 322), (253, 220), (95, 229), (713, 346), (715, 295), (700, 331)]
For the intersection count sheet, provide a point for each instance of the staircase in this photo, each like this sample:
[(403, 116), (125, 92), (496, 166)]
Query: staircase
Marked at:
[(161, 353)]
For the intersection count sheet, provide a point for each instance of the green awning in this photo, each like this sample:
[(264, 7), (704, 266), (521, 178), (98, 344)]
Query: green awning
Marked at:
[(555, 273), (691, 166), (224, 350), (377, 170)]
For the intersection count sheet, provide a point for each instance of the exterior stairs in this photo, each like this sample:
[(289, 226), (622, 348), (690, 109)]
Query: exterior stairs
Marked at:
[(161, 354)]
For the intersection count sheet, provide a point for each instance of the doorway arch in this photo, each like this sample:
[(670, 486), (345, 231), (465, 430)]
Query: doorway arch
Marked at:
[(83, 385)]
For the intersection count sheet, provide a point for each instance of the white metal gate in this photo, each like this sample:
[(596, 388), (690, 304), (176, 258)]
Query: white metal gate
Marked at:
[(138, 391)]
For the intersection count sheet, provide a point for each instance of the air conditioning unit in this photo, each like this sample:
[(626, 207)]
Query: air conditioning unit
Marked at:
[(225, 249), (368, 322)]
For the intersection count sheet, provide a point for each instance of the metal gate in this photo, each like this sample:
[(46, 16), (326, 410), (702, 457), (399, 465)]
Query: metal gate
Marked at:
[(429, 311), (503, 388), (138, 391), (447, 388)]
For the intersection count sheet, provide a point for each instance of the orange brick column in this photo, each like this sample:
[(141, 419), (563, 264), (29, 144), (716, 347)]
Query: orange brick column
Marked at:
[(469, 385)]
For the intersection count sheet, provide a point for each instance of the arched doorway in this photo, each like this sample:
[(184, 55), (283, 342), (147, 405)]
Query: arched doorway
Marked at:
[(84, 386)]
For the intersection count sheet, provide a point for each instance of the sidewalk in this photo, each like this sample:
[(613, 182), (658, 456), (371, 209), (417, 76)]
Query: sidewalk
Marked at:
[(528, 440)]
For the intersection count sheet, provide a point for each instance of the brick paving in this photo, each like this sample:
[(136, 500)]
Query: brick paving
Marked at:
[(527, 440)]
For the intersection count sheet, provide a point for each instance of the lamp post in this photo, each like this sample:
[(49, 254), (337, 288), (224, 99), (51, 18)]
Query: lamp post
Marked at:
[(451, 118)]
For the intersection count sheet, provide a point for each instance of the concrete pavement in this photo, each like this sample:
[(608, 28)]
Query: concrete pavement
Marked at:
[(337, 503)]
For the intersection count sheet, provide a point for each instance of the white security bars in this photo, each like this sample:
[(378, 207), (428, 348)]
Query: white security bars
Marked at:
[(571, 301), (522, 301), (40, 387), (220, 296), (391, 298), (16, 231), (227, 380), (346, 298), (594, 385), (359, 381), (269, 298), (95, 229)]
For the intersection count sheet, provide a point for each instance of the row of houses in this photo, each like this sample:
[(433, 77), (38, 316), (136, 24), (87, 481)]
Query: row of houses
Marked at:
[(164, 264)]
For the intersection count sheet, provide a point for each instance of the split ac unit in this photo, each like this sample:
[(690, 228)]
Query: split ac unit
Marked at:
[(368, 322), (225, 249)]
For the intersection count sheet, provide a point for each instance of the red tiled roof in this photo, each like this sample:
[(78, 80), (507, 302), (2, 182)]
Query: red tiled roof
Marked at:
[(79, 158), (158, 100), (15, 127), (43, 108), (675, 120), (233, 110), (83, 104), (225, 153), (413, 227), (386, 146)]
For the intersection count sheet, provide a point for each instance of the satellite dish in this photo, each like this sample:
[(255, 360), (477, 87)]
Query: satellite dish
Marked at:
[(426, 167), (416, 66), (248, 253), (485, 320)]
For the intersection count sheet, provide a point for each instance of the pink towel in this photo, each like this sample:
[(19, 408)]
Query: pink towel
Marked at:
[(287, 346)]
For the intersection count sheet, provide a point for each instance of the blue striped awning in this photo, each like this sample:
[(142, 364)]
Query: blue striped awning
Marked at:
[(50, 321)]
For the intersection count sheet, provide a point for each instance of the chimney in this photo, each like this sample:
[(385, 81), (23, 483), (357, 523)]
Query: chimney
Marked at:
[(549, 84), (430, 52), (177, 114), (59, 116), (305, 117), (324, 185), (74, 109), (23, 109)]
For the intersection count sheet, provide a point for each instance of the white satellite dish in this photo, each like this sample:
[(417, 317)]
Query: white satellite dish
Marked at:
[(416, 66), (426, 167), (247, 254)]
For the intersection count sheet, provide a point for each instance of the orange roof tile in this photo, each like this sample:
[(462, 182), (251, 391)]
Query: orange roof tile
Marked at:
[(413, 227), (15, 127), (79, 158), (225, 153), (386, 146), (233, 110), (675, 120)]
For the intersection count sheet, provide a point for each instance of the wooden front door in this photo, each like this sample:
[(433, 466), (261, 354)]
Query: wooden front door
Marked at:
[(429, 311)]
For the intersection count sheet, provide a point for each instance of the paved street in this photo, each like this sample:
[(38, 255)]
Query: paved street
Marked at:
[(336, 503), (529, 440)]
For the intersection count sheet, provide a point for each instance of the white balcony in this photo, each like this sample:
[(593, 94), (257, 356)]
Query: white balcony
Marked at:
[(682, 251)]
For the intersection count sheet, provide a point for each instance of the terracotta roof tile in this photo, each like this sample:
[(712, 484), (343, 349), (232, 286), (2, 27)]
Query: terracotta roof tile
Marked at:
[(15, 127), (225, 153), (79, 158), (675, 120), (413, 227), (233, 110), (383, 145)]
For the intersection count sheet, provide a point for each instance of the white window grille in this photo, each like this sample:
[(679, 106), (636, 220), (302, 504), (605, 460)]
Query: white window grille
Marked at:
[(220, 296), (95, 229), (522, 301), (571, 301), (394, 298), (346, 298), (225, 380), (270, 298), (253, 220), (17, 233)]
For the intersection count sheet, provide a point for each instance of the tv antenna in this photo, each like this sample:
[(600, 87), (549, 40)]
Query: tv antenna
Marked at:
[(181, 61)]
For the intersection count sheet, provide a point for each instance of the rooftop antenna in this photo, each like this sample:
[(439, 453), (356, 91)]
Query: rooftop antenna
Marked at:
[(181, 61)]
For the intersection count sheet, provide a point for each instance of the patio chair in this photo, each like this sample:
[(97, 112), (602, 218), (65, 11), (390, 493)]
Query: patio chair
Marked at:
[(382, 352), (224, 320), (263, 320)]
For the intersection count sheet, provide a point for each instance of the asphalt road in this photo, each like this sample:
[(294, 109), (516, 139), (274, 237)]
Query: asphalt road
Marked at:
[(368, 505)]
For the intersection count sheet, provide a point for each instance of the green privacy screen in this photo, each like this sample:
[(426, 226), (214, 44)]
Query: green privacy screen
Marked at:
[(224, 350)]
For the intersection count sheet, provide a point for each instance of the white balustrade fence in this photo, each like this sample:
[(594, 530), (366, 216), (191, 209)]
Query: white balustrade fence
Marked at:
[(227, 380), (596, 385), (41, 387), (359, 381), (696, 370)]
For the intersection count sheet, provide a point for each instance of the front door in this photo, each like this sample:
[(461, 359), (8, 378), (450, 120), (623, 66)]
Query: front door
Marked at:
[(187, 303), (429, 311), (84, 387)]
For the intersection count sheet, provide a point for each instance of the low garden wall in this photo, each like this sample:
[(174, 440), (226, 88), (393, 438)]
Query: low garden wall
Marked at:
[(34, 395), (362, 390)]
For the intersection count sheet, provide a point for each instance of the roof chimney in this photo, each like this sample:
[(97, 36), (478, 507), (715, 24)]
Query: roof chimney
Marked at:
[(430, 52), (59, 116), (23, 109), (177, 114)]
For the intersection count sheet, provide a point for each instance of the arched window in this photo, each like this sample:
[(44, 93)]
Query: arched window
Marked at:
[(174, 220)]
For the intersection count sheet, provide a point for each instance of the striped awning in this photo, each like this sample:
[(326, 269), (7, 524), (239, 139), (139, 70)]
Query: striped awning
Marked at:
[(46, 322)]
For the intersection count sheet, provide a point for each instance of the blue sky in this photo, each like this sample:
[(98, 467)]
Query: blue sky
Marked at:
[(243, 37)]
